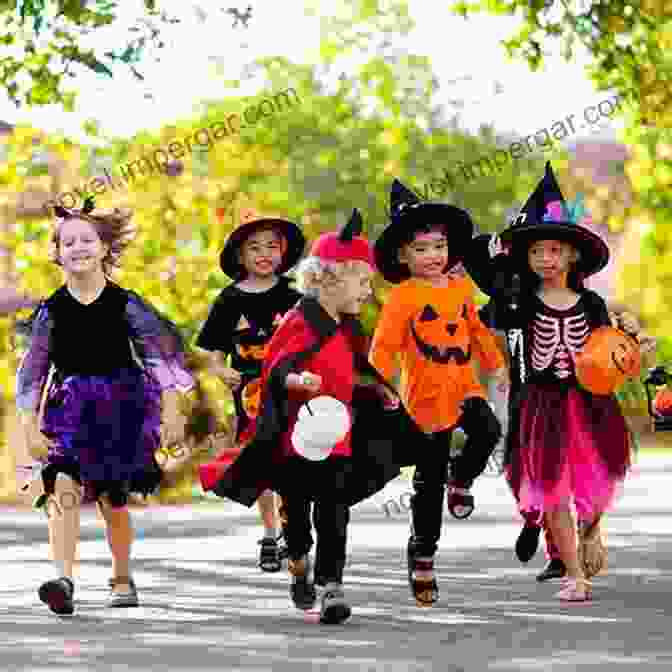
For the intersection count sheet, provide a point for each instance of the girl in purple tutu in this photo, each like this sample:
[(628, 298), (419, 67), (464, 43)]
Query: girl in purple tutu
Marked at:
[(116, 366), (568, 450)]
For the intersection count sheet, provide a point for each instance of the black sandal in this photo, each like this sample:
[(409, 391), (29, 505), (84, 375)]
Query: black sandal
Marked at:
[(460, 502), (269, 555), (426, 593), (57, 594)]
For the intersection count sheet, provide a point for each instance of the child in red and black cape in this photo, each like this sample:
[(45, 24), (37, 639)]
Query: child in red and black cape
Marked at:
[(320, 349)]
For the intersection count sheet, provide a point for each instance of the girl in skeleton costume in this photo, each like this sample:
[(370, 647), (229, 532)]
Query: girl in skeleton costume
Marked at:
[(117, 364), (567, 448)]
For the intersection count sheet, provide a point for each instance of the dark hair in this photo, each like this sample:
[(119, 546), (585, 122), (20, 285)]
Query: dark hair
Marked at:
[(408, 236)]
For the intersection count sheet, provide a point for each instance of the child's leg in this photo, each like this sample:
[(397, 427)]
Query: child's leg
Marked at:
[(331, 517), (63, 511), (119, 532), (563, 529), (269, 513), (299, 543), (429, 483), (483, 432), (269, 553)]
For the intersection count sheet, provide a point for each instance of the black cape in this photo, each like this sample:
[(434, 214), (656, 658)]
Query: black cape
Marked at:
[(383, 441)]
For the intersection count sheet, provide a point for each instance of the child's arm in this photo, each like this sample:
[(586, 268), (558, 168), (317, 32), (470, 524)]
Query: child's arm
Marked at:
[(485, 345), (216, 338), (31, 377), (389, 337)]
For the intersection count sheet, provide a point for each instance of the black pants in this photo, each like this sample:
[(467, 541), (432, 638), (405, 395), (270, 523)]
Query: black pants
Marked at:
[(483, 432), (319, 484)]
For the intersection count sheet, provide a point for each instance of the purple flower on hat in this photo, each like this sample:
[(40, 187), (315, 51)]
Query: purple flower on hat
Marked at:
[(555, 212)]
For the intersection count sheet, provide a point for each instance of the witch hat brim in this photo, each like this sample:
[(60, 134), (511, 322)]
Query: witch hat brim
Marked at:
[(593, 251), (459, 230), (296, 243)]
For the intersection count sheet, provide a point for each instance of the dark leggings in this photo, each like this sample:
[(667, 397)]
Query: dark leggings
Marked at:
[(319, 484), (483, 432)]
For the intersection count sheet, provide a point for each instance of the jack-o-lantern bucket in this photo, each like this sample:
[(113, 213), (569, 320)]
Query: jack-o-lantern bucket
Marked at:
[(608, 358)]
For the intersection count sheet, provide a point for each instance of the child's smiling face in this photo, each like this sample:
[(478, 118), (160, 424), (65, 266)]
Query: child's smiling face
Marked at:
[(427, 254), (261, 253), (80, 249)]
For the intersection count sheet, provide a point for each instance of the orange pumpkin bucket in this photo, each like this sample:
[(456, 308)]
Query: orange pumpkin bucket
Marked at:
[(608, 359)]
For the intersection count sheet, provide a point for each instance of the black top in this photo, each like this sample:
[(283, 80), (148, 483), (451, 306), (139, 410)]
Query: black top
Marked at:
[(90, 339), (239, 319)]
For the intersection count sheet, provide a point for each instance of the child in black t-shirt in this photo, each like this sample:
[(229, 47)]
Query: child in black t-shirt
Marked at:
[(241, 323)]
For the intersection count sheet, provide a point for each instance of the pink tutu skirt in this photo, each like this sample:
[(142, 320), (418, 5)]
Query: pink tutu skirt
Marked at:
[(571, 450)]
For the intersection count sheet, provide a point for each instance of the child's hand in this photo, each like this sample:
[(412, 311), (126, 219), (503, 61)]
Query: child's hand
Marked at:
[(625, 322), (501, 379), (37, 443), (304, 382), (230, 377)]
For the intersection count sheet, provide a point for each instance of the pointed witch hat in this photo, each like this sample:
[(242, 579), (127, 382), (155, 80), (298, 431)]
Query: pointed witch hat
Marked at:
[(251, 222), (409, 214), (346, 245), (547, 216)]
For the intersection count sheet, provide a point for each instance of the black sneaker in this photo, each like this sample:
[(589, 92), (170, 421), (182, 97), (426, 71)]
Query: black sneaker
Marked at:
[(334, 608), (555, 569), (269, 555), (302, 589), (528, 542), (57, 594)]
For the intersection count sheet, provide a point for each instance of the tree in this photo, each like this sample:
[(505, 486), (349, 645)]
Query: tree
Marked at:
[(307, 153), (629, 43), (42, 46)]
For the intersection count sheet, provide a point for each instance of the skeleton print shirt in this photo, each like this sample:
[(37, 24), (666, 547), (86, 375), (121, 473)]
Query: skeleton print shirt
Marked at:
[(556, 338)]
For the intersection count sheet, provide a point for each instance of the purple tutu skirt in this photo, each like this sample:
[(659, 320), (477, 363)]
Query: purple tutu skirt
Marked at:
[(107, 428), (571, 450)]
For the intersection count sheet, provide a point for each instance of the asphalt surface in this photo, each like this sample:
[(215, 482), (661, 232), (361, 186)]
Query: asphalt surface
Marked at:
[(205, 605)]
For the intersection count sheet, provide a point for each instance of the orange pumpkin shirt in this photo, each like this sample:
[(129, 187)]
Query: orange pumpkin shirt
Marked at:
[(431, 334)]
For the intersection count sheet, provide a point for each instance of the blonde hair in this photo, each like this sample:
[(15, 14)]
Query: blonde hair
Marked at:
[(314, 274), (113, 227)]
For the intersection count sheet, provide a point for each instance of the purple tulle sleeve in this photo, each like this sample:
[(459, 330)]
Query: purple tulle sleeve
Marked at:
[(34, 368), (158, 344)]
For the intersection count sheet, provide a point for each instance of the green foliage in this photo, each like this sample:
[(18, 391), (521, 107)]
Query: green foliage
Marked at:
[(630, 44), (45, 45)]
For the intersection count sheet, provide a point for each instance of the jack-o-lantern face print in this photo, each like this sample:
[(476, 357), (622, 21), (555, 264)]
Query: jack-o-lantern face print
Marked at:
[(252, 343), (607, 359), (440, 340)]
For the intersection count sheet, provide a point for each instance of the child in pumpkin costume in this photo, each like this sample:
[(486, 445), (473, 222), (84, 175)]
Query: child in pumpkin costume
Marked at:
[(566, 446), (241, 323), (319, 348), (430, 323)]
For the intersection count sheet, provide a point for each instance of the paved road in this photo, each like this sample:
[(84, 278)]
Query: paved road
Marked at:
[(206, 606)]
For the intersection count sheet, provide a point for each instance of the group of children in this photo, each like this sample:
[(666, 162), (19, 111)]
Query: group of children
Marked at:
[(567, 449)]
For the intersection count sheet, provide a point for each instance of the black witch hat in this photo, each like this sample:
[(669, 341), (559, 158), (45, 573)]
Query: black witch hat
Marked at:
[(546, 216), (408, 214)]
